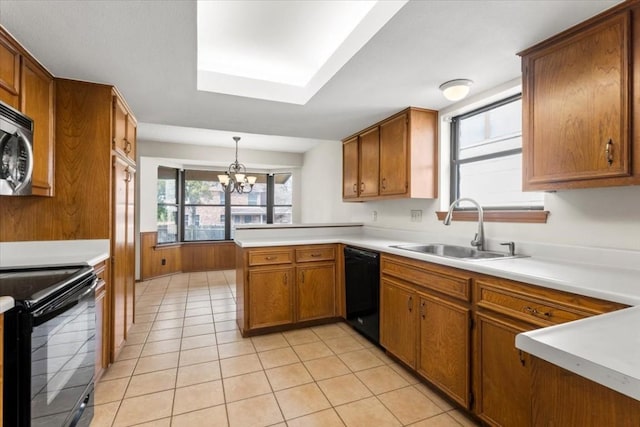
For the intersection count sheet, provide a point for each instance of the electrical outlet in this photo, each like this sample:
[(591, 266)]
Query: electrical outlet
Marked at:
[(416, 215), (374, 216)]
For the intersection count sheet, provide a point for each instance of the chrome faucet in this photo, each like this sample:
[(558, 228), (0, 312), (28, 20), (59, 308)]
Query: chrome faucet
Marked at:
[(478, 240)]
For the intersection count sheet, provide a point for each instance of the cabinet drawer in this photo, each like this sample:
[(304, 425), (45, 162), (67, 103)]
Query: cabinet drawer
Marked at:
[(270, 257), (457, 287), (527, 309), (324, 253)]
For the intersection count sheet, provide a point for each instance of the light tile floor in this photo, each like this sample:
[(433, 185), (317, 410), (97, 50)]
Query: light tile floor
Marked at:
[(186, 364)]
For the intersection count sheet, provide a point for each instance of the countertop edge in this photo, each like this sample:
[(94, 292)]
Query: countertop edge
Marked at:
[(6, 304), (553, 348)]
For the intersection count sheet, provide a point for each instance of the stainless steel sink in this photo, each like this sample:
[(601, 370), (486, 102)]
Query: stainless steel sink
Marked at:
[(453, 251)]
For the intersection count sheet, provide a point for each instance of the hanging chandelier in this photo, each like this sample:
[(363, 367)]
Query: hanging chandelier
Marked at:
[(236, 179)]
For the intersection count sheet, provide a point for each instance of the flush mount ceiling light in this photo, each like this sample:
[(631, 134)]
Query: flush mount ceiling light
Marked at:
[(236, 179), (455, 90)]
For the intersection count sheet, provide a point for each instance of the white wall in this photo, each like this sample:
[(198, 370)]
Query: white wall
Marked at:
[(601, 217), (321, 176)]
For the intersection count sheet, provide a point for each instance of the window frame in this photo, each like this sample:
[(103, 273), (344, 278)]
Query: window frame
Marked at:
[(456, 162), (182, 206), (519, 214), (176, 205)]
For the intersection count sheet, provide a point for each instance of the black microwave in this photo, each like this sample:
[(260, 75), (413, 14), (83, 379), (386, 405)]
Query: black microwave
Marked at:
[(16, 152)]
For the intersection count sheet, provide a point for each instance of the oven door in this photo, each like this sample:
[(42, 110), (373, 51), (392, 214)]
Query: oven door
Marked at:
[(63, 357)]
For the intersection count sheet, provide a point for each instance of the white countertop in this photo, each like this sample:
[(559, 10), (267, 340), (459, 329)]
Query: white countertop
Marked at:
[(615, 284), (6, 303), (53, 252), (605, 348)]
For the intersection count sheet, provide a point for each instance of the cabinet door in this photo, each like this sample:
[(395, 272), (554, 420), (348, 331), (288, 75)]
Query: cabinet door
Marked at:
[(36, 101), (130, 250), (393, 156), (503, 377), (576, 107), (9, 72), (103, 318), (119, 132), (101, 363), (130, 139), (119, 264), (398, 308), (444, 347), (271, 297), (350, 169), (316, 291), (369, 162)]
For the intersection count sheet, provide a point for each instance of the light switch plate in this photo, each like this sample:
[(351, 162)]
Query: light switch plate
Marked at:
[(416, 215)]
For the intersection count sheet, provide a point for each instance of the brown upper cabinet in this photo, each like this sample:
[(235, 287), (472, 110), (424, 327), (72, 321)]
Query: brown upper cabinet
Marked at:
[(9, 70), (581, 91), (395, 158), (28, 87), (124, 130)]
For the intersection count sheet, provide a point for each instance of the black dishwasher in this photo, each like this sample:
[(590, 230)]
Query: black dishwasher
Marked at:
[(362, 283)]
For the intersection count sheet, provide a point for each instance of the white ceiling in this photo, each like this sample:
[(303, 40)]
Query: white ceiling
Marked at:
[(304, 44), (148, 49)]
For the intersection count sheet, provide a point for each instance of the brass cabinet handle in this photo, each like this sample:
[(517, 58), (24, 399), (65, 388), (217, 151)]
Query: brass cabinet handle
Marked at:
[(423, 309), (316, 255), (127, 146), (302, 277), (384, 183), (608, 151), (362, 186), (521, 357), (410, 303), (270, 258), (535, 312), (127, 177)]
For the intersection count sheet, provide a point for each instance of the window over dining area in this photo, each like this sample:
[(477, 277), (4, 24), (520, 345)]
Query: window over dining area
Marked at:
[(193, 205)]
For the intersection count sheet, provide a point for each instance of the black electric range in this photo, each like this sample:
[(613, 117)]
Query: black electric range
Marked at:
[(49, 343)]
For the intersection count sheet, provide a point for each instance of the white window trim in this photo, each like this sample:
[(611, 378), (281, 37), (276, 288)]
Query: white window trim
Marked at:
[(505, 90)]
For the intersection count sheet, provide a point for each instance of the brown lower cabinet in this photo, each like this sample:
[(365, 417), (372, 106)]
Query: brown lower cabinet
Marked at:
[(102, 318), (424, 322), (503, 380), (446, 323), (271, 297), (503, 374), (284, 286), (562, 398)]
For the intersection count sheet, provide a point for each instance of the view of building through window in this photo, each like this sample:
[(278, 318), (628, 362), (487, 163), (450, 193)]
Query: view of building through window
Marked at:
[(210, 213), (167, 205), (486, 163)]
